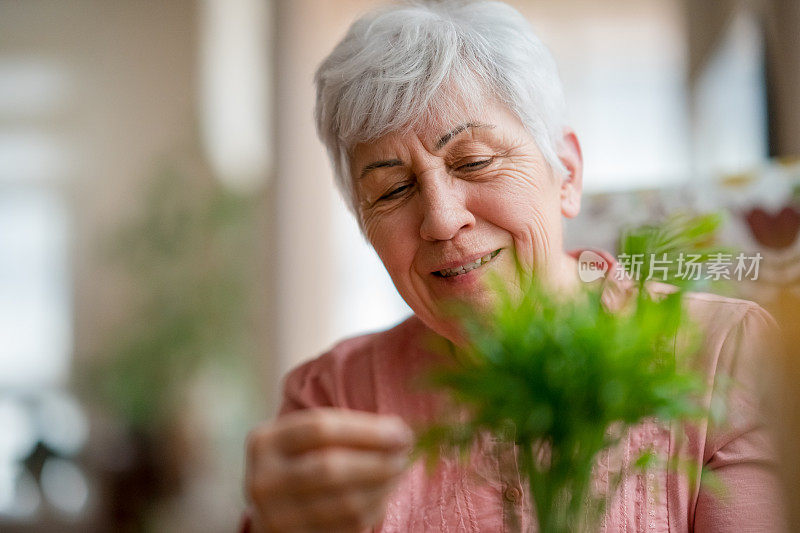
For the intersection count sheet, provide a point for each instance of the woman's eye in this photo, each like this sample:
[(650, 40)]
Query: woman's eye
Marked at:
[(475, 165), (397, 191)]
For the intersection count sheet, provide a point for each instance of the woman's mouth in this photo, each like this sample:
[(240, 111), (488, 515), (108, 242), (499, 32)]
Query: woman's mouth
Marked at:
[(463, 269)]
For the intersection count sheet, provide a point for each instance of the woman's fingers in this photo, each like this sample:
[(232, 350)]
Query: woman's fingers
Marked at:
[(343, 508), (324, 448), (318, 428), (325, 468)]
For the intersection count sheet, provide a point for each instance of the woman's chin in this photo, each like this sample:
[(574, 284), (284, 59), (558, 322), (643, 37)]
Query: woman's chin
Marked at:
[(473, 306)]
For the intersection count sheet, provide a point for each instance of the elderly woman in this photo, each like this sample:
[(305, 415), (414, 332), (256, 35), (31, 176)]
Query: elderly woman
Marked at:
[(445, 125)]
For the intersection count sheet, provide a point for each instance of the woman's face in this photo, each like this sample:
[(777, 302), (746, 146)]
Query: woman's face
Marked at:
[(446, 206)]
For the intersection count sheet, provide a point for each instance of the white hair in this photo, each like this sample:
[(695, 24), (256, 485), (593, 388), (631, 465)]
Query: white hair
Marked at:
[(406, 65)]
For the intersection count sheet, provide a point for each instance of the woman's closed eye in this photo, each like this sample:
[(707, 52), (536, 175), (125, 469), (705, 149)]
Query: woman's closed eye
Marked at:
[(398, 190), (475, 165), (395, 192)]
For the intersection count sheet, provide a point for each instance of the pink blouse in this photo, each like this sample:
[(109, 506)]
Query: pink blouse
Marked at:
[(377, 373)]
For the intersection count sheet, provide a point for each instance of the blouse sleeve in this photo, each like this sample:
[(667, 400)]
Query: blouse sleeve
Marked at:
[(308, 385), (741, 452)]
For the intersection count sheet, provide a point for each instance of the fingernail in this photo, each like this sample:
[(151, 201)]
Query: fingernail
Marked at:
[(398, 433)]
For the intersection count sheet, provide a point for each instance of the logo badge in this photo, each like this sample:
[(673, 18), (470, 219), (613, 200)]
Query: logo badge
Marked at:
[(591, 266)]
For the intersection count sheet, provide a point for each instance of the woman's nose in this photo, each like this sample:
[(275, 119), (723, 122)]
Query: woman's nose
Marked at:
[(444, 208)]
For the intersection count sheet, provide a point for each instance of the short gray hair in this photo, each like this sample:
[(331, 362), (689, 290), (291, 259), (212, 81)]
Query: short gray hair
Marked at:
[(398, 66)]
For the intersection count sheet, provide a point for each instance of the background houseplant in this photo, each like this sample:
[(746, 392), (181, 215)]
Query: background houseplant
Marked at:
[(175, 387)]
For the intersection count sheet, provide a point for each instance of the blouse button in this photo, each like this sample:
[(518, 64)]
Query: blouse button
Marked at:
[(512, 494)]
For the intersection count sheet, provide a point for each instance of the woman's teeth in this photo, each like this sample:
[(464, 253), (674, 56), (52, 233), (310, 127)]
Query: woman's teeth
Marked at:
[(463, 269)]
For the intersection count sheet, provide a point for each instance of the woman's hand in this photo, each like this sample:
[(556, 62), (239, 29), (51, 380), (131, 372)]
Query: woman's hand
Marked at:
[(324, 469)]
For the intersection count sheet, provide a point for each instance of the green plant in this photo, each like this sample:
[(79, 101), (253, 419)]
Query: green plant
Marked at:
[(679, 236), (563, 378)]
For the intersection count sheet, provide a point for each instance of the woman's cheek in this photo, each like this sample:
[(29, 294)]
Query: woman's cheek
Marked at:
[(389, 242)]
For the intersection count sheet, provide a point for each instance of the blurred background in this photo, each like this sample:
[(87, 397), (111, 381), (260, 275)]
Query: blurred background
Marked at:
[(171, 242)]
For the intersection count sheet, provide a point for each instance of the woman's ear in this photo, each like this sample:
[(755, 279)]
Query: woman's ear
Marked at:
[(569, 152)]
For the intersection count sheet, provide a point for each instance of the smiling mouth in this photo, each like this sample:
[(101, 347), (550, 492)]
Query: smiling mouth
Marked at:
[(463, 269)]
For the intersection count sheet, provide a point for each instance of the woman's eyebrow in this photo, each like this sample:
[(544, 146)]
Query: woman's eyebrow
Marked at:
[(447, 137), (380, 164)]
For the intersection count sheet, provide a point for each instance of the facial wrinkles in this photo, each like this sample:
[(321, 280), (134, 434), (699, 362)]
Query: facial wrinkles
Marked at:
[(530, 177), (516, 165), (524, 173), (419, 163), (540, 242), (371, 210), (373, 219)]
